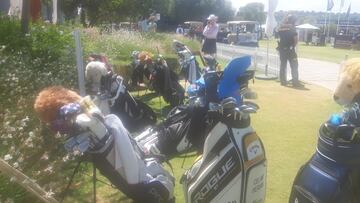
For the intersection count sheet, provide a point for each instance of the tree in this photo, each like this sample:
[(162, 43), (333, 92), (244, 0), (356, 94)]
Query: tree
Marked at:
[(253, 12), (25, 16)]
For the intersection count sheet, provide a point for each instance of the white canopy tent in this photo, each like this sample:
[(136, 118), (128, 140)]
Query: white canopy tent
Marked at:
[(307, 26), (305, 32)]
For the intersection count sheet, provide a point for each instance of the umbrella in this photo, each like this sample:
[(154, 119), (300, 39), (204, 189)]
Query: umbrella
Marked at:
[(269, 29), (307, 26), (270, 19)]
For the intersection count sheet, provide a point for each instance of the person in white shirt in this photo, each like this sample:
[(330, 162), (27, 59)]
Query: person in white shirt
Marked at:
[(210, 33), (179, 30)]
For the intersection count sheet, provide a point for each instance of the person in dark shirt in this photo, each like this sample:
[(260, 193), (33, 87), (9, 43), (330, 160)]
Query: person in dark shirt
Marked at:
[(286, 47)]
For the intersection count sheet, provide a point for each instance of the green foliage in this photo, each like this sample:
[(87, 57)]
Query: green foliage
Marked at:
[(28, 64), (11, 191), (252, 12)]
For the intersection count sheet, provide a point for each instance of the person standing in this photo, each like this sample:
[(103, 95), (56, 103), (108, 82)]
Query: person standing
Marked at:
[(286, 47), (210, 34), (179, 30)]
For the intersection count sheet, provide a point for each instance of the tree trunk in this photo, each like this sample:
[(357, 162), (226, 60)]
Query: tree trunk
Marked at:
[(25, 16)]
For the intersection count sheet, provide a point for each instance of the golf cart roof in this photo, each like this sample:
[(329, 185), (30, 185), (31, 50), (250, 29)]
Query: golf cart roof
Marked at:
[(193, 22), (242, 22)]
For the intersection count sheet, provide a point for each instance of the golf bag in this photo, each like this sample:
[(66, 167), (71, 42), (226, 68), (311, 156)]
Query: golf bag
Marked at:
[(116, 99), (332, 174), (117, 157), (232, 167), (187, 126), (184, 128), (165, 82), (189, 67)]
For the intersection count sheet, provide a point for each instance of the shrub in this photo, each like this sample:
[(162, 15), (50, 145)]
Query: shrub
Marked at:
[(27, 64)]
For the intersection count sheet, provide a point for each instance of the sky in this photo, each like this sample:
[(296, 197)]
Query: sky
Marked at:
[(304, 5)]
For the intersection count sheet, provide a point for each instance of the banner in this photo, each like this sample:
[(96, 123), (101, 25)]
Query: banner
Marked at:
[(342, 4), (330, 5), (270, 19)]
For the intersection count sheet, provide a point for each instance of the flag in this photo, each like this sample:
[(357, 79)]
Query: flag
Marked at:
[(330, 5), (342, 4), (270, 19), (348, 11)]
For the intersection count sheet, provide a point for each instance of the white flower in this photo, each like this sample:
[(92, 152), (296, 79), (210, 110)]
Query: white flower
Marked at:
[(7, 157), (12, 129), (8, 200), (49, 194), (31, 134), (45, 156), (5, 142), (65, 158), (49, 169), (58, 135), (20, 159), (12, 179), (16, 165)]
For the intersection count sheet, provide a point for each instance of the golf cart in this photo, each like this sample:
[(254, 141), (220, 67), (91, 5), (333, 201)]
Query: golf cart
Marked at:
[(245, 33)]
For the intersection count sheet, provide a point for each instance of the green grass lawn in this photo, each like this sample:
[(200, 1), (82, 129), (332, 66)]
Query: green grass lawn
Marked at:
[(326, 53), (287, 122)]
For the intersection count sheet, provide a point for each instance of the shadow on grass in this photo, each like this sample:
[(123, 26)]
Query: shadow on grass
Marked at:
[(299, 87)]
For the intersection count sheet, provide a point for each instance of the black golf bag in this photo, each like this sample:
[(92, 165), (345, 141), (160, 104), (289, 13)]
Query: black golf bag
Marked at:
[(187, 126), (116, 155), (189, 67), (183, 129), (165, 82), (134, 114)]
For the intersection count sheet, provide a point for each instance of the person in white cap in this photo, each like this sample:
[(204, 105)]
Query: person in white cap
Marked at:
[(210, 33)]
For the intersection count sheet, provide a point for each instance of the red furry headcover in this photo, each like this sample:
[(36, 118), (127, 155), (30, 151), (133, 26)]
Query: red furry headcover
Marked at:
[(51, 99)]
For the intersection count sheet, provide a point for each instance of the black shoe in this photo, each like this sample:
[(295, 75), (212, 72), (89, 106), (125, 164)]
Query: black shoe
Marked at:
[(283, 83), (298, 85)]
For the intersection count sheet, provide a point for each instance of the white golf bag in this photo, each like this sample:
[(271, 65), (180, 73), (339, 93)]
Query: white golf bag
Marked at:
[(232, 167), (114, 153)]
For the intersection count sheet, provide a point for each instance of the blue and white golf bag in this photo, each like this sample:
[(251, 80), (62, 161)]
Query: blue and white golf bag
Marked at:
[(117, 156), (332, 175)]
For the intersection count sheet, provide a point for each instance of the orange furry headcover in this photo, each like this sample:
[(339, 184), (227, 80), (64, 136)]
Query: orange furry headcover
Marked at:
[(145, 56), (51, 99)]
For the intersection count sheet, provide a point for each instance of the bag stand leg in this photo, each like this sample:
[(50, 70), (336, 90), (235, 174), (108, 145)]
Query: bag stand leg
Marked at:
[(94, 182), (71, 180)]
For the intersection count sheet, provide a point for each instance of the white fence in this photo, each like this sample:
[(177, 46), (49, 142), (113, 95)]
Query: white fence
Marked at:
[(258, 56)]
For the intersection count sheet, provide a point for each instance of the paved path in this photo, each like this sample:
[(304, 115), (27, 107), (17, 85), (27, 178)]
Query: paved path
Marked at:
[(317, 72)]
